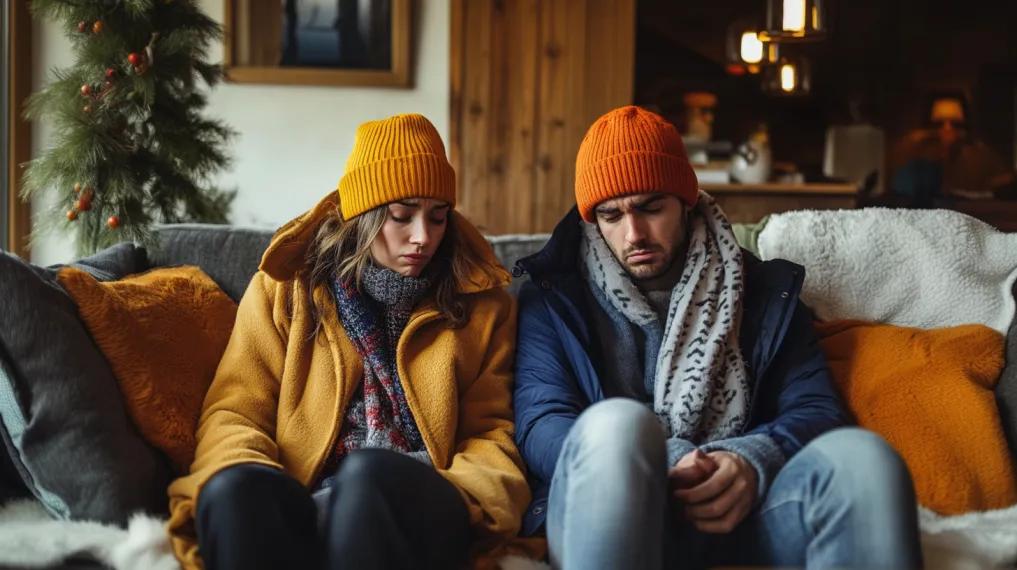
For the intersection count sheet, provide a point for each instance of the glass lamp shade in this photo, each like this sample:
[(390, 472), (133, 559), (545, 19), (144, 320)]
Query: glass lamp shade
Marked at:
[(794, 21), (788, 77), (744, 49), (947, 109)]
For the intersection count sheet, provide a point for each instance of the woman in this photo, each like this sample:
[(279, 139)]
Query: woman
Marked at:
[(360, 417)]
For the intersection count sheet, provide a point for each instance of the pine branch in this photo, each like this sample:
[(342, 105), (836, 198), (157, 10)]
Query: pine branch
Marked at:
[(131, 147)]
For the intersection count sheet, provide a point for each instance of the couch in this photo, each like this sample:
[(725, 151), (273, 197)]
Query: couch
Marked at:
[(40, 459), (101, 469)]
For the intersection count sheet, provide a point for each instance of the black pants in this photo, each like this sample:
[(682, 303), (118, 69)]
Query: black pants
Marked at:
[(386, 511)]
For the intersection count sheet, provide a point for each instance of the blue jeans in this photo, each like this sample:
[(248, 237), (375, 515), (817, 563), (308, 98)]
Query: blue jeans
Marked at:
[(844, 501)]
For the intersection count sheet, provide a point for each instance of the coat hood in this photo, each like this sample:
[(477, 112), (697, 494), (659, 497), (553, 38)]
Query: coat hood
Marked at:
[(287, 251)]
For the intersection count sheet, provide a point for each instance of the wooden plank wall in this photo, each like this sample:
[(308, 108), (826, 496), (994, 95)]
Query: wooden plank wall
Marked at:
[(20, 135), (528, 78)]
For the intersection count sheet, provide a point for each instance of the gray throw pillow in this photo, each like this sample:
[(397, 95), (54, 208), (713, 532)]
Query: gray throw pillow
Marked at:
[(114, 262), (12, 480), (65, 423), (1006, 388)]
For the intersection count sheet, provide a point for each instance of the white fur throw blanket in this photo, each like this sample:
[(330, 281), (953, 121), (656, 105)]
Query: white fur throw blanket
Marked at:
[(918, 268), (29, 538)]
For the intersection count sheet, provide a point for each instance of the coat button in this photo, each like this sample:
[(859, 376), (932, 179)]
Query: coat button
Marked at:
[(538, 510), (784, 295)]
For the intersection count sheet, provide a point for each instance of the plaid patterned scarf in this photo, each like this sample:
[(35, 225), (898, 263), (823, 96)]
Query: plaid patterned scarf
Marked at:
[(378, 416)]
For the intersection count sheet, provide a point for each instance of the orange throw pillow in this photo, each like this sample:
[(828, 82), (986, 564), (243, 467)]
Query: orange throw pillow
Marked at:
[(163, 333), (929, 393)]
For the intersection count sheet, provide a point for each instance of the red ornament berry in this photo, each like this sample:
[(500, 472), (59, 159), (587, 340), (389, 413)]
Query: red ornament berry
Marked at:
[(97, 27), (86, 90), (77, 188), (113, 222), (82, 26), (134, 58), (110, 73), (87, 109), (83, 204), (72, 215)]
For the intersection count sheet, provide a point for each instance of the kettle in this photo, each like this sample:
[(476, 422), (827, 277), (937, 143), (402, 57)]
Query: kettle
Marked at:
[(752, 161)]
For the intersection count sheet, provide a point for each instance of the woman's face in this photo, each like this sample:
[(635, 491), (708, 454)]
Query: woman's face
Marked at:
[(412, 232)]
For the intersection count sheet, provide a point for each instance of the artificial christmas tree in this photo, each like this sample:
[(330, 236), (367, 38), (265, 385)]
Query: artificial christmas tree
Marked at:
[(132, 148)]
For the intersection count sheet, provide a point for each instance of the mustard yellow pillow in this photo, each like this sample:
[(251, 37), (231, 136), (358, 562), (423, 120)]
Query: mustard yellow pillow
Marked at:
[(163, 333), (929, 393)]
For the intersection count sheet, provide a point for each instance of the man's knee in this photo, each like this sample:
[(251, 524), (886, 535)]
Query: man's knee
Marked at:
[(863, 462), (856, 447), (620, 425)]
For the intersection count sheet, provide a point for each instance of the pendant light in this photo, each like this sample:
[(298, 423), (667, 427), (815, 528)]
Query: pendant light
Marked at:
[(744, 49), (794, 21), (790, 76)]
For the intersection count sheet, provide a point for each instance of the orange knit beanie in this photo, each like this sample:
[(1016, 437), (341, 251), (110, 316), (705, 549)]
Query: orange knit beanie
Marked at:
[(632, 151), (393, 159)]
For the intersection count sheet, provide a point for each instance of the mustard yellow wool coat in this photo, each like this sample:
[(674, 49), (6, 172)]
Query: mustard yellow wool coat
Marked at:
[(278, 399)]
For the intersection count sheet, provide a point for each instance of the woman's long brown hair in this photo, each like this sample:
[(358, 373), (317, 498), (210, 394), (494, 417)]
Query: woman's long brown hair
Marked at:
[(342, 248)]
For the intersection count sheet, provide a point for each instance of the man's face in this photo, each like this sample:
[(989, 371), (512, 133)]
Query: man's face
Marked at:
[(645, 232)]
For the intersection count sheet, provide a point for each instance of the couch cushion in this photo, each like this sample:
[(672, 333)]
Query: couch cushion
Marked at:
[(929, 393), (229, 255), (510, 248), (111, 263), (63, 414), (163, 332), (12, 479)]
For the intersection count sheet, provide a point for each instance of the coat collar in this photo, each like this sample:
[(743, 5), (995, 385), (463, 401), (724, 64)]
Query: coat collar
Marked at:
[(560, 254), (287, 250), (771, 291)]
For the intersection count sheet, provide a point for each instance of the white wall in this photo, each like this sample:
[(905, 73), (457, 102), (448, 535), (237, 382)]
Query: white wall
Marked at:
[(293, 141)]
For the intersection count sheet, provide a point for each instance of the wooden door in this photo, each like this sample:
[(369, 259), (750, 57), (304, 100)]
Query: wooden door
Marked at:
[(528, 79)]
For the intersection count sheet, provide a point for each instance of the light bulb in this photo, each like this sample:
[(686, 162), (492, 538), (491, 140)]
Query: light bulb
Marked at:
[(794, 15), (788, 77), (751, 48)]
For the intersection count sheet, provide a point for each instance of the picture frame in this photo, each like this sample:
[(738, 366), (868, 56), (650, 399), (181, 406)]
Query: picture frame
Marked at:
[(318, 42)]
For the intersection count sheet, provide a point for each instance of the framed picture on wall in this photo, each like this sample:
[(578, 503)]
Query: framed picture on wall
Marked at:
[(319, 42)]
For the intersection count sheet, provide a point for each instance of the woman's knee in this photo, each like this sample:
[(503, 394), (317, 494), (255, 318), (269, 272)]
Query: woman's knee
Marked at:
[(240, 483), (374, 468)]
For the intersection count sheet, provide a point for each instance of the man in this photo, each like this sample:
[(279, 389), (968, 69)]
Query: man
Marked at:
[(671, 401)]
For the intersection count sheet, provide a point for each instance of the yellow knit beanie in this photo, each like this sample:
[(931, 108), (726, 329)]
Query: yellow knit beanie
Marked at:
[(393, 159)]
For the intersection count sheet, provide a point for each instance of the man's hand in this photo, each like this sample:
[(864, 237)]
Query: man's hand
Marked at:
[(692, 469), (718, 503)]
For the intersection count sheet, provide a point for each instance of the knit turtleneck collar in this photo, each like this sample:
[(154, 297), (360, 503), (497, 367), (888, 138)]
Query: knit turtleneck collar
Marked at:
[(393, 290)]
